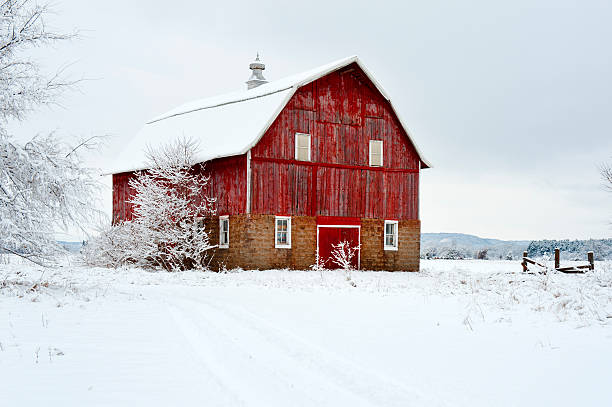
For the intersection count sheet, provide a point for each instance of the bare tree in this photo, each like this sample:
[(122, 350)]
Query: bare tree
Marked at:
[(43, 186), (606, 175), (22, 86), (43, 182)]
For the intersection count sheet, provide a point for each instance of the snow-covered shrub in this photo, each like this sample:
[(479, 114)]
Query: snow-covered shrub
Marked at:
[(430, 253), (343, 254), (113, 246), (171, 204), (482, 254), (319, 264), (451, 254)]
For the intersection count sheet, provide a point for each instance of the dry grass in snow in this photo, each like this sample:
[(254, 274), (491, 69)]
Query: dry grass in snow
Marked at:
[(467, 333)]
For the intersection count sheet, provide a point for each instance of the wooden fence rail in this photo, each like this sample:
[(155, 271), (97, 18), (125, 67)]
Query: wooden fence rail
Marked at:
[(570, 269)]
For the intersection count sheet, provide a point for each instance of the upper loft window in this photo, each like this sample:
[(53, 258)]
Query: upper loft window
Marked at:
[(223, 232), (376, 153), (302, 147)]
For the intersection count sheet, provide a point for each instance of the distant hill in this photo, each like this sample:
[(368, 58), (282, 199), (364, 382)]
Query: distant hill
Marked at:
[(460, 245), (463, 246)]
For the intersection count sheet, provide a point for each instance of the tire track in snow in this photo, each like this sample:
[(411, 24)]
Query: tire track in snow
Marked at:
[(318, 374), (242, 368), (195, 340)]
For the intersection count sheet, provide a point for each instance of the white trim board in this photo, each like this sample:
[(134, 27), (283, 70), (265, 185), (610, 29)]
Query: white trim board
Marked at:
[(248, 182), (221, 219), (395, 235), (288, 244)]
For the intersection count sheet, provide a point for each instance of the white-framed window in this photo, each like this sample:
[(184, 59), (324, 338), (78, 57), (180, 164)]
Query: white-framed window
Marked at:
[(302, 147), (224, 232), (390, 238), (376, 153), (282, 232)]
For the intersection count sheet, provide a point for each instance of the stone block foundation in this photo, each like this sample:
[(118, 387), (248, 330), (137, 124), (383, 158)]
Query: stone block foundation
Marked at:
[(252, 244)]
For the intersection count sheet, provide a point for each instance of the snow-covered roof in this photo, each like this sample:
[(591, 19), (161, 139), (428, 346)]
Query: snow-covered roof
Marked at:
[(229, 124)]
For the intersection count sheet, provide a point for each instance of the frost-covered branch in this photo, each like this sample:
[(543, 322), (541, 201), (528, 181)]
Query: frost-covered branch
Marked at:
[(606, 175), (343, 254), (44, 184), (43, 188), (22, 85)]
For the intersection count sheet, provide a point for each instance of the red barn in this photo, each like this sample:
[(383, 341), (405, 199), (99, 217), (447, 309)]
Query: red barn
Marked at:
[(297, 165)]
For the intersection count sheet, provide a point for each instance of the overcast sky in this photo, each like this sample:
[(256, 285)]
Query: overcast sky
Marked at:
[(511, 102)]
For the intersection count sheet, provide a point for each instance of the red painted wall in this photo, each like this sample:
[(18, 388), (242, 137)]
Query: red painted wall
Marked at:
[(227, 182), (122, 209), (343, 112)]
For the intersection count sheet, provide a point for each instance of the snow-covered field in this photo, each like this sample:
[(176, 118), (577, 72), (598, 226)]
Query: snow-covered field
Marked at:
[(467, 333)]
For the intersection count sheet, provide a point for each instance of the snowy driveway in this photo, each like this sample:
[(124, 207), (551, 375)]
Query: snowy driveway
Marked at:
[(304, 339)]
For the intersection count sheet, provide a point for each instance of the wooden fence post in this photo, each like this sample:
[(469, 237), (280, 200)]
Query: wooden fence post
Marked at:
[(557, 258), (591, 258), (524, 263)]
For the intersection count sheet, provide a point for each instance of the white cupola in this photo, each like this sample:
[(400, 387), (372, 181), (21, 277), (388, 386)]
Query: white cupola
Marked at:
[(256, 78)]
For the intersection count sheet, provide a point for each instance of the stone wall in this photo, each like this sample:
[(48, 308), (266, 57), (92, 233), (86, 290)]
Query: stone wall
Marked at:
[(252, 244), (405, 258)]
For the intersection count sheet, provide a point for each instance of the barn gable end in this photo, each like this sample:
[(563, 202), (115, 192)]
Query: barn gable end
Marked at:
[(342, 112)]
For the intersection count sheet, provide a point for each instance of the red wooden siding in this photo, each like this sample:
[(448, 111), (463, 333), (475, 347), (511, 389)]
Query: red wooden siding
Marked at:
[(227, 184), (122, 209), (342, 111)]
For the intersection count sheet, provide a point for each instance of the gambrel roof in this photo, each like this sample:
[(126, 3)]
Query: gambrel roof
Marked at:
[(231, 124)]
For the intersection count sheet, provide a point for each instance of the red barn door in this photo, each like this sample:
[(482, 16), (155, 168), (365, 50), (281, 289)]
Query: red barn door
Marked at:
[(332, 235)]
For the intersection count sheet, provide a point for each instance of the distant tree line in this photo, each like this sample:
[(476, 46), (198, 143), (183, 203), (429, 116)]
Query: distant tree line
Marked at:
[(572, 249), (458, 253)]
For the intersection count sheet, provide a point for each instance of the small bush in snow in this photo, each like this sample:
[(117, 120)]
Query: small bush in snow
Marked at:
[(482, 254), (343, 254), (319, 264), (112, 247)]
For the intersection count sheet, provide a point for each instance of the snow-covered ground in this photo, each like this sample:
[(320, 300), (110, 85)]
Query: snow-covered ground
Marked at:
[(467, 333)]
